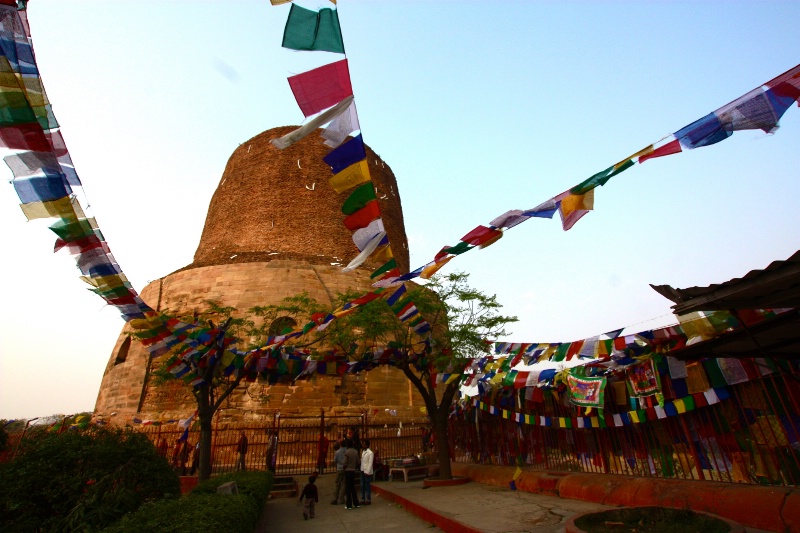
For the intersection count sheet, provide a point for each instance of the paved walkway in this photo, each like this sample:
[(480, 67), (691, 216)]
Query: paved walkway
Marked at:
[(475, 507), (285, 515), (469, 508)]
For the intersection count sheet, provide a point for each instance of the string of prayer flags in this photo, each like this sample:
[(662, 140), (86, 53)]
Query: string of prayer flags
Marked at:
[(313, 30), (44, 175)]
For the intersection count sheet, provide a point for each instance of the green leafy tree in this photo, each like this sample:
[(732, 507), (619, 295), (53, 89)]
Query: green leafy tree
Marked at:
[(461, 319), (81, 479)]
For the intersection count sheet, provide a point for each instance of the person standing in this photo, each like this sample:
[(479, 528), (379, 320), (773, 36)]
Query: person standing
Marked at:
[(338, 458), (241, 449), (322, 452), (311, 496), (350, 462), (367, 458), (272, 452)]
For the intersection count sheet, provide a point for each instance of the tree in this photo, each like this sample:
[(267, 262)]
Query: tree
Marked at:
[(210, 367), (461, 320)]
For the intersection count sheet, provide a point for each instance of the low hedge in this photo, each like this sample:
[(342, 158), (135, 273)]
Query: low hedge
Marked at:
[(203, 509)]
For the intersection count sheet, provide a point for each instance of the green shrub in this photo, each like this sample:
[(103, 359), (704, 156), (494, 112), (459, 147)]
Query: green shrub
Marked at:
[(81, 480), (203, 509), (209, 513), (255, 484)]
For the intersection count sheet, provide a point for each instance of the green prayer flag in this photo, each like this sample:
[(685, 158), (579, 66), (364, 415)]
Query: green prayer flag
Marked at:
[(359, 198), (14, 108), (561, 352), (311, 30), (508, 379), (390, 264), (73, 230), (601, 178), (688, 402), (459, 248)]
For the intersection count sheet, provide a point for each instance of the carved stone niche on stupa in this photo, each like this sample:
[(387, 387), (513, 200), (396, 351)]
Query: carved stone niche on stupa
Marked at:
[(274, 229)]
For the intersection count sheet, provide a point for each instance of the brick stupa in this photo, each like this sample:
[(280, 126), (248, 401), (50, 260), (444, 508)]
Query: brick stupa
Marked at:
[(274, 229)]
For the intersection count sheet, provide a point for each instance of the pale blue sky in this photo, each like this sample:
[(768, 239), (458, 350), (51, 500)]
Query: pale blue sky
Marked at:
[(478, 107)]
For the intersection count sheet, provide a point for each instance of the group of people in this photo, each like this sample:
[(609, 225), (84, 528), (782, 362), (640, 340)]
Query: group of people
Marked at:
[(351, 456), (180, 455)]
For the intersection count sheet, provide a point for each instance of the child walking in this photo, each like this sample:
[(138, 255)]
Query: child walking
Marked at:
[(311, 497)]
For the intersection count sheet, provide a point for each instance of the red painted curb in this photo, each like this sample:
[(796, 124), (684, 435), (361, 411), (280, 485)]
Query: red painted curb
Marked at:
[(442, 522)]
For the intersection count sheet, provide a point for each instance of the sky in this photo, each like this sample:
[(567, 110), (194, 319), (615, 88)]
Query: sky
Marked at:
[(477, 106)]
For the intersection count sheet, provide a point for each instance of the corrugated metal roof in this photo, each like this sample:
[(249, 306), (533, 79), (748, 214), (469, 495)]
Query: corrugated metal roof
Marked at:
[(776, 286)]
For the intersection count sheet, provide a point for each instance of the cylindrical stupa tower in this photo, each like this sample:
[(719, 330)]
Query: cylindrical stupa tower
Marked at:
[(274, 229)]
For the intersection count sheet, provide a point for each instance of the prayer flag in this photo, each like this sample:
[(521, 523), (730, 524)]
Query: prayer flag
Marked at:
[(574, 206), (363, 236), (313, 30), (672, 147), (386, 267), (586, 392), (42, 188), (61, 208), (28, 136), (345, 155), (350, 177), (601, 177), (702, 132), (362, 217), (340, 127), (359, 198), (293, 136), (321, 87)]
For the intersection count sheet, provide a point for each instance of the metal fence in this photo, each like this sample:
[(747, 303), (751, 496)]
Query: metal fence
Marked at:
[(750, 437), (304, 444)]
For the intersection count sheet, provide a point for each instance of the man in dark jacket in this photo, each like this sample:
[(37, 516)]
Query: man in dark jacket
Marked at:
[(350, 462)]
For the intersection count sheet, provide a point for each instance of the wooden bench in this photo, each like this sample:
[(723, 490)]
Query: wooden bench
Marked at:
[(411, 470)]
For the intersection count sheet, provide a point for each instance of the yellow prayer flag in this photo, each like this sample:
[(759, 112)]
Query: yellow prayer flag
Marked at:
[(105, 283), (697, 325), (575, 202), (350, 177), (497, 379), (430, 270), (562, 422), (679, 406), (383, 254), (517, 473), (61, 208), (279, 2), (644, 151), (634, 416), (452, 378), (506, 414)]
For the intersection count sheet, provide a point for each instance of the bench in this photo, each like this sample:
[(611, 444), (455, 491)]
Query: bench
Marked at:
[(411, 470)]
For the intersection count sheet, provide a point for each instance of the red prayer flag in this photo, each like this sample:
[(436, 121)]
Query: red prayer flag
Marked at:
[(574, 349), (668, 149), (521, 379), (322, 87), (28, 136), (362, 217), (480, 235)]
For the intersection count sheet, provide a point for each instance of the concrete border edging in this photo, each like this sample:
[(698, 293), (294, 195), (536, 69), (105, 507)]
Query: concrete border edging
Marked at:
[(442, 522)]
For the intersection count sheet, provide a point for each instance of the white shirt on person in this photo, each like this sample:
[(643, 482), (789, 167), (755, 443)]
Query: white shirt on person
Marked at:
[(367, 456)]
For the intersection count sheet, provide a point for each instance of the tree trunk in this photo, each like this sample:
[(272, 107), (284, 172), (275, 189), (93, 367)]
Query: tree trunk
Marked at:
[(205, 413), (440, 429)]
